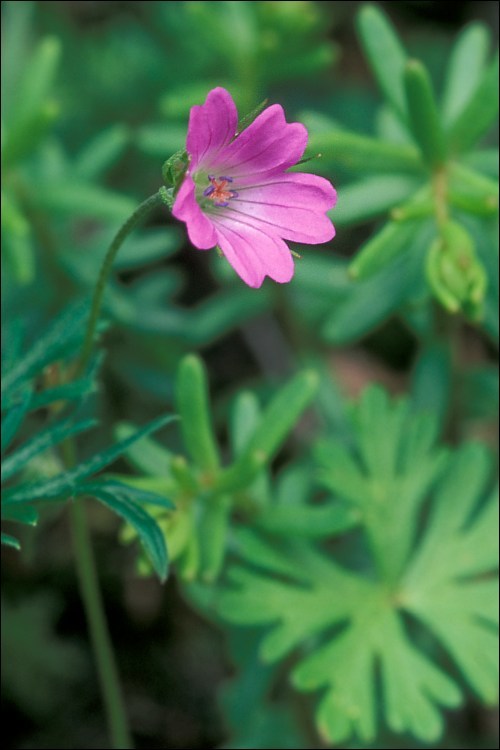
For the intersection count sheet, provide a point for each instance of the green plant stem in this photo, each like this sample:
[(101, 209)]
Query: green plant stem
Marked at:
[(446, 326), (84, 556), (139, 214), (101, 642)]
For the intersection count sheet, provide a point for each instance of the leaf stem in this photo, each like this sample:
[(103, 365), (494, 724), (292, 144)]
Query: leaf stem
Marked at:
[(139, 214)]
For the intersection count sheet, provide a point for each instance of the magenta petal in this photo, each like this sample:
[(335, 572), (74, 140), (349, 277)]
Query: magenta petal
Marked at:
[(292, 206), (211, 126), (200, 229), (253, 253), (292, 189), (268, 143)]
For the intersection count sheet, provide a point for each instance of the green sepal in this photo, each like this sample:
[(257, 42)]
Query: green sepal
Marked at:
[(174, 169)]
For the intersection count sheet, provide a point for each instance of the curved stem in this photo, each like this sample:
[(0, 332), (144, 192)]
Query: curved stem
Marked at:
[(139, 214), (84, 556), (101, 642)]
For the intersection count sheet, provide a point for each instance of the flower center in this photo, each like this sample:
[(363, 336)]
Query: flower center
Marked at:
[(218, 191)]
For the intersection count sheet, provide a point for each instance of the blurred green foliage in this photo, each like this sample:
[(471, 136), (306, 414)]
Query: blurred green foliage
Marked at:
[(341, 546)]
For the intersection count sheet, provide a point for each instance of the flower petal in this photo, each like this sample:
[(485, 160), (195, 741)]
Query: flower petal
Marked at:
[(290, 205), (211, 126), (199, 228), (253, 253), (268, 143)]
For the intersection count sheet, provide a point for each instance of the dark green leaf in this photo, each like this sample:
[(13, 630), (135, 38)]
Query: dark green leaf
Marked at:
[(46, 439), (60, 340), (69, 482), (133, 492), (21, 514), (10, 541), (14, 418), (146, 527)]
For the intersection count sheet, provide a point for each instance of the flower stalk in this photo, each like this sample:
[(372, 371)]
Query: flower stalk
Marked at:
[(84, 556), (139, 214)]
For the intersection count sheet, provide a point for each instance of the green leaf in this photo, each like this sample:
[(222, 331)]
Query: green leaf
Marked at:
[(424, 118), (101, 153), (161, 139), (119, 501), (465, 67), (212, 533), (10, 541), (194, 410), (14, 418), (61, 338), (280, 416), (149, 246), (144, 455), (365, 305), (361, 153), (459, 601), (484, 160), (69, 482), (85, 199), (77, 390), (371, 197), (347, 628), (478, 115), (21, 514), (244, 419), (37, 81), (207, 321), (45, 439), (309, 521), (472, 192), (385, 54), (431, 381), (20, 141), (396, 237)]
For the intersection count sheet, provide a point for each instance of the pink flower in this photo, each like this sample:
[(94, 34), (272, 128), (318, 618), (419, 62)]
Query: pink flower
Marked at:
[(238, 195)]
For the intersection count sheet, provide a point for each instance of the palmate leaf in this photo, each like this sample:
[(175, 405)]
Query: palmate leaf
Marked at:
[(349, 627)]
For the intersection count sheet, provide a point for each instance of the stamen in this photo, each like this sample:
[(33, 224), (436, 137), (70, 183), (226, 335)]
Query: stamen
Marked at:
[(218, 192)]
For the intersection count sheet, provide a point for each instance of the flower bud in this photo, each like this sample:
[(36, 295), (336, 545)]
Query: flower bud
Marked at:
[(455, 274)]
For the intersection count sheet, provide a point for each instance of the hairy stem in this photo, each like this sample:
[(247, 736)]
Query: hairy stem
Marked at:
[(138, 215)]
